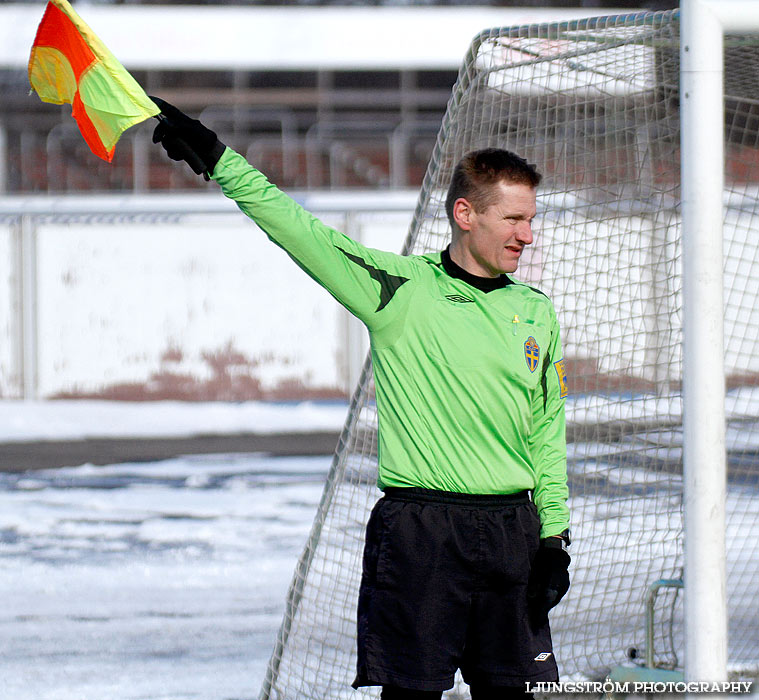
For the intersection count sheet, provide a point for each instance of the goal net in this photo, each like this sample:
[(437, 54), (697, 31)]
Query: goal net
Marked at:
[(594, 104)]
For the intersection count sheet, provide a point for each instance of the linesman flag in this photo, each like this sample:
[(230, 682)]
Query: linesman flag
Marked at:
[(69, 64)]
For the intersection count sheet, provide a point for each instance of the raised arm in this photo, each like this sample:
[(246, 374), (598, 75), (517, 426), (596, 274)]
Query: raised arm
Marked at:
[(364, 280)]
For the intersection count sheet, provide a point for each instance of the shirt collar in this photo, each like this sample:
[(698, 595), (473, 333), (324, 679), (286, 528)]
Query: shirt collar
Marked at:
[(484, 284)]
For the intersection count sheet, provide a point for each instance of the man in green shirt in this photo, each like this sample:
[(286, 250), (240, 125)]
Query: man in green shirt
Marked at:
[(465, 553)]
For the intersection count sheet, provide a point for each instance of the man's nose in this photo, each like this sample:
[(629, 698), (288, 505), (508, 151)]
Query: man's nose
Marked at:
[(524, 232)]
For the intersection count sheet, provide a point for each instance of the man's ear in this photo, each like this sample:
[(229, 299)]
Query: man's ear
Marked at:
[(462, 213)]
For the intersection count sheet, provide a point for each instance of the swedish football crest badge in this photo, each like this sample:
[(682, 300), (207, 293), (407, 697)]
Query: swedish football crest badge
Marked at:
[(531, 353)]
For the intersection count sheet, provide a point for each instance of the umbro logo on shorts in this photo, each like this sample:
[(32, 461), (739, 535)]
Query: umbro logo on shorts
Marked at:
[(543, 656), (459, 298)]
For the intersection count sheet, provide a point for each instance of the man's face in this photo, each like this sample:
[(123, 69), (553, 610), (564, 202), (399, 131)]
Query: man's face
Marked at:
[(492, 240)]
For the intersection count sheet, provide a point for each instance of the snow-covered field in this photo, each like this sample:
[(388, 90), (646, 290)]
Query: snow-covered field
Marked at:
[(152, 582), (76, 419), (167, 580), (22, 421)]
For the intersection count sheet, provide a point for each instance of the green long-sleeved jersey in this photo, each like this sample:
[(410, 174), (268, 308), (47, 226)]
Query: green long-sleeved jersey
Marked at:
[(469, 381)]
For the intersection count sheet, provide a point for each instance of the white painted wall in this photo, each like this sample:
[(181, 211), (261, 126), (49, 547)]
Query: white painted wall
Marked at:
[(121, 300), (116, 294)]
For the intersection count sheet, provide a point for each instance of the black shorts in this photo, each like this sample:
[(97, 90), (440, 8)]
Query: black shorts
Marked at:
[(444, 586)]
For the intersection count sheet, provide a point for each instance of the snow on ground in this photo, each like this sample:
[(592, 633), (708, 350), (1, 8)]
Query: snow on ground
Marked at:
[(167, 580), (164, 581), (599, 408), (73, 420), (78, 419)]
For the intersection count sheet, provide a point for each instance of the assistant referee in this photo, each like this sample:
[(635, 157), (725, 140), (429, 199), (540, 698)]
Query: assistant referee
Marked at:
[(466, 551)]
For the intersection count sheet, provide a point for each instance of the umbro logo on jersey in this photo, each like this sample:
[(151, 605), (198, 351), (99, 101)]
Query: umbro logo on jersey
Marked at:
[(543, 656), (459, 298)]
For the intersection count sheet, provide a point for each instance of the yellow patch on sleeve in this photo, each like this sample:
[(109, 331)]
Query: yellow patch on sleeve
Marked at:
[(562, 375)]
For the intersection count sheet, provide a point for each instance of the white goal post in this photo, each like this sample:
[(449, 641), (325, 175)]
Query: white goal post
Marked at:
[(703, 24)]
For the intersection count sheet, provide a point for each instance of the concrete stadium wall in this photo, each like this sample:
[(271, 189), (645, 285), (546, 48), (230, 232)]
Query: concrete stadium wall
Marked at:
[(143, 298)]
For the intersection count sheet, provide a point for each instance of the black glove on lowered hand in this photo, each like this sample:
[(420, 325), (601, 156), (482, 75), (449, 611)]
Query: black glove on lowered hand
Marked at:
[(549, 579), (184, 138)]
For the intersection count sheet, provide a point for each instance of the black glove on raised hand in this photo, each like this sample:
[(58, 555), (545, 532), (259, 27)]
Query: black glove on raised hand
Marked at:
[(184, 138), (549, 579)]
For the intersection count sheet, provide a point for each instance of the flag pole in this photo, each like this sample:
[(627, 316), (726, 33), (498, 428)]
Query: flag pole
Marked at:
[(192, 158)]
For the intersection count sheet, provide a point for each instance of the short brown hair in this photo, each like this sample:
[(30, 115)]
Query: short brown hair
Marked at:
[(477, 172)]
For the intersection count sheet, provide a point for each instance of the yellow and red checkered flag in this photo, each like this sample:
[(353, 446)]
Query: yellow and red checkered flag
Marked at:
[(69, 64)]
